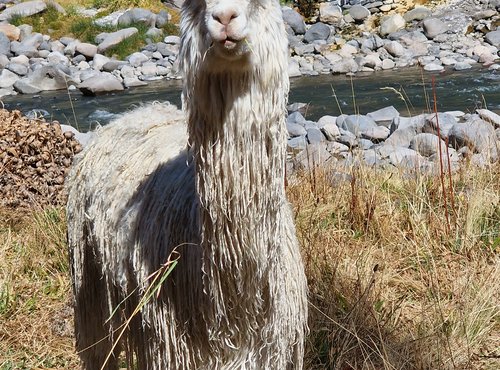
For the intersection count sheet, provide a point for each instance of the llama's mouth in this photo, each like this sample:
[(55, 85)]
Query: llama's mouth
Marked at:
[(230, 43)]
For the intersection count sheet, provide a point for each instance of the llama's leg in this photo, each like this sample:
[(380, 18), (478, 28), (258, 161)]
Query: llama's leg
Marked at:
[(93, 342)]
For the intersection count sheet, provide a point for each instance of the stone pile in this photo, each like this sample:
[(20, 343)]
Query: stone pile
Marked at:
[(31, 62), (385, 139), (34, 158), (360, 40)]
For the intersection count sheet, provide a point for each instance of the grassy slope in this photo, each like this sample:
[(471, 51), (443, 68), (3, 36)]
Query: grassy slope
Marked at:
[(390, 287)]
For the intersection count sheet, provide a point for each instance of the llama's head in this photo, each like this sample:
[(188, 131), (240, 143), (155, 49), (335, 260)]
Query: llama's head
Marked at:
[(226, 35)]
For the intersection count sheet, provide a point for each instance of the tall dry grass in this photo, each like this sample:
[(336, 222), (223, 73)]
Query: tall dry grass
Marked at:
[(390, 287), (36, 328)]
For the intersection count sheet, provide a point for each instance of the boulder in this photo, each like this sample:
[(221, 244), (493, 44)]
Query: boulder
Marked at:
[(489, 116), (28, 46), (137, 59), (493, 38), (45, 78), (11, 31), (86, 49), (427, 144), (4, 45), (433, 27), (384, 116), (359, 13), (392, 24), (330, 13), (100, 84), (395, 49), (137, 15), (294, 20), (7, 78), (477, 134), (25, 9), (114, 38), (318, 31), (417, 14)]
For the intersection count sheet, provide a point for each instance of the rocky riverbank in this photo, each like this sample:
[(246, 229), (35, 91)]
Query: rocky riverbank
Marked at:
[(381, 35)]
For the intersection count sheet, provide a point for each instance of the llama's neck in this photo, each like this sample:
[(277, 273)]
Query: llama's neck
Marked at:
[(238, 140)]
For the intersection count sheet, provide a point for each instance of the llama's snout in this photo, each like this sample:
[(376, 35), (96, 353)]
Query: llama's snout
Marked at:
[(227, 25)]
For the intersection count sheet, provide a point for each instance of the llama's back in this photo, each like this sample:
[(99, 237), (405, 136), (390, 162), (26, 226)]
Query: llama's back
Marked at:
[(130, 186)]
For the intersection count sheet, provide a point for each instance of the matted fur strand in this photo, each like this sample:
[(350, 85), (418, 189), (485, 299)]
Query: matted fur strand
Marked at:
[(237, 297)]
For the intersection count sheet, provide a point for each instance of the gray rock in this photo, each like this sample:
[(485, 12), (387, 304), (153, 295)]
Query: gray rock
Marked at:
[(365, 144), (325, 120), (133, 82), (101, 84), (4, 44), (56, 57), (433, 27), (395, 48), (162, 18), (175, 40), (318, 31), (359, 13), (24, 87), (446, 122), (137, 15), (358, 124), (314, 135), (296, 117), (346, 65), (299, 142), (18, 68), (476, 134), (25, 30), (331, 131), (330, 13), (427, 144), (113, 64), (392, 24), (493, 38), (111, 20), (4, 60), (25, 9), (405, 158), (113, 39), (417, 14), (384, 116), (433, 67), (99, 61), (461, 66), (45, 78), (86, 49), (7, 78), (154, 33), (294, 129), (416, 122), (489, 116), (29, 46), (294, 20), (401, 137), (137, 59)]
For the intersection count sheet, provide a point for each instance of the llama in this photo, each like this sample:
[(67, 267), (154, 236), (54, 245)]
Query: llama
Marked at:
[(212, 191)]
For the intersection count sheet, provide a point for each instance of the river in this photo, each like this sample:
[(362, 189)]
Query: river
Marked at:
[(409, 90)]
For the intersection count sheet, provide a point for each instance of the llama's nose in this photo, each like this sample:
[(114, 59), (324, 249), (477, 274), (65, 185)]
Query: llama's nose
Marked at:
[(225, 16)]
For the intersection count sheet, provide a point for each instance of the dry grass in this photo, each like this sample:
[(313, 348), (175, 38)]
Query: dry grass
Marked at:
[(35, 311), (390, 288)]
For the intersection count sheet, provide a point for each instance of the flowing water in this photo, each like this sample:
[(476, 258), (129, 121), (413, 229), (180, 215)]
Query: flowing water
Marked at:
[(410, 91)]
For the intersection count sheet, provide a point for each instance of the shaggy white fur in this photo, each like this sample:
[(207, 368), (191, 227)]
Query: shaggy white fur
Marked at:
[(237, 298)]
